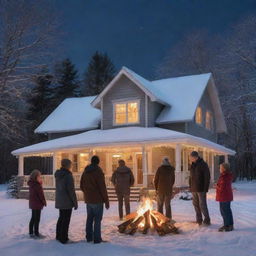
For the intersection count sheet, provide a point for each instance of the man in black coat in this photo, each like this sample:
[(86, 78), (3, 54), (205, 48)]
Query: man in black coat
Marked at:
[(123, 179), (199, 185), (164, 181), (65, 199)]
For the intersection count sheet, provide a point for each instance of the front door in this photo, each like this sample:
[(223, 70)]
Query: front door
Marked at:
[(138, 169)]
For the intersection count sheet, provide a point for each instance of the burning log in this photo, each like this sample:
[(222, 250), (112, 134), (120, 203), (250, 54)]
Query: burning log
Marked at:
[(122, 227), (147, 222), (132, 228), (145, 219)]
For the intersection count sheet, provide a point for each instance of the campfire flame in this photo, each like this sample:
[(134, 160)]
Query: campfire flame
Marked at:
[(145, 219)]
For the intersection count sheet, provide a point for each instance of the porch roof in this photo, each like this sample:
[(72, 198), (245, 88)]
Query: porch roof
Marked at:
[(127, 136)]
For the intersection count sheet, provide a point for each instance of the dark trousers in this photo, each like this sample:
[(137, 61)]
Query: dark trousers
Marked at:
[(164, 200), (63, 225), (123, 199), (93, 222), (200, 205), (226, 213), (34, 222)]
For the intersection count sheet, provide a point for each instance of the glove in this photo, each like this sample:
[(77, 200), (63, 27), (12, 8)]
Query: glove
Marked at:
[(107, 205), (76, 207)]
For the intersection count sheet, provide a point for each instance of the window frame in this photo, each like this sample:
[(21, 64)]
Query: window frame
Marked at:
[(126, 102), (208, 112), (202, 119)]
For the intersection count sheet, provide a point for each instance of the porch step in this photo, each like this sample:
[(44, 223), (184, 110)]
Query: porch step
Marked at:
[(134, 195)]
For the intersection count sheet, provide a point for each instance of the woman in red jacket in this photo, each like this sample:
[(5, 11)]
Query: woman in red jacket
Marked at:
[(224, 195), (36, 203)]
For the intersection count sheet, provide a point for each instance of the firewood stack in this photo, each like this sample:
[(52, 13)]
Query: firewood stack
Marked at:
[(149, 220)]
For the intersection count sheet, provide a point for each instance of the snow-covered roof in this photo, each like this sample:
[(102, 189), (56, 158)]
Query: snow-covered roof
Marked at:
[(179, 95), (120, 137), (73, 114)]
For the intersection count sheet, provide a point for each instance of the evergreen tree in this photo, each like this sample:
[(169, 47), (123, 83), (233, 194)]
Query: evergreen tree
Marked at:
[(99, 73), (40, 101), (67, 81)]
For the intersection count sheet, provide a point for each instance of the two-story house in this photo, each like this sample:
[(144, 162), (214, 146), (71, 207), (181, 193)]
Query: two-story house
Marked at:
[(135, 119)]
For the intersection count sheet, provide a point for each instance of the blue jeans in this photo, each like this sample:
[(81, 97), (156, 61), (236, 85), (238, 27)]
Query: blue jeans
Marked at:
[(93, 222), (226, 213)]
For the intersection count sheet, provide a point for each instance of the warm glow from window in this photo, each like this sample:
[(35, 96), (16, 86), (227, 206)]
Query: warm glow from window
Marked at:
[(199, 115), (126, 113), (209, 121)]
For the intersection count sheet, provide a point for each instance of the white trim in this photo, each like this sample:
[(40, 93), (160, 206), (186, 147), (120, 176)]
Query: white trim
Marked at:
[(115, 102), (101, 105), (146, 110)]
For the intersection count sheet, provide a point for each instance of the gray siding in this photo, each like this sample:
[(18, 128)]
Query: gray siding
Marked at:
[(179, 127), (199, 130), (123, 89), (154, 109), (52, 136)]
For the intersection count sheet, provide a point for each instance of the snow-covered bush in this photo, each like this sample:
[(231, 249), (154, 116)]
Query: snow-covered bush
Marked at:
[(13, 187), (185, 195)]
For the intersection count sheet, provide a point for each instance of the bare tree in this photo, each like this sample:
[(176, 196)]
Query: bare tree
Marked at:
[(27, 33), (231, 59)]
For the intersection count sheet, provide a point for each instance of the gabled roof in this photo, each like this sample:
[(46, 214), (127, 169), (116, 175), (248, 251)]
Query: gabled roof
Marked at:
[(73, 114), (142, 83), (127, 136), (179, 95)]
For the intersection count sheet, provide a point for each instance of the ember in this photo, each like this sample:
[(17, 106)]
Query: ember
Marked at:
[(146, 219)]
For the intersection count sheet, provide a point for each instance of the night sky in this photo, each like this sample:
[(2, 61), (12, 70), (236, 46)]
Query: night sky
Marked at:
[(139, 33)]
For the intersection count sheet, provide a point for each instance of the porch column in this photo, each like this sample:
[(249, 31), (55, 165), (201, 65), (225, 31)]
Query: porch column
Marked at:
[(178, 178), (212, 167), (54, 166), (144, 167), (226, 158), (21, 166)]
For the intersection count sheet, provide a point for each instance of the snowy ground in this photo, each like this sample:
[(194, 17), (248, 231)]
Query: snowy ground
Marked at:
[(14, 218)]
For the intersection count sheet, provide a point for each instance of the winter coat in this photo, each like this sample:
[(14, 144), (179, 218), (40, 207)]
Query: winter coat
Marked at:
[(93, 185), (65, 196), (36, 195), (224, 191), (164, 179), (123, 179), (199, 176)]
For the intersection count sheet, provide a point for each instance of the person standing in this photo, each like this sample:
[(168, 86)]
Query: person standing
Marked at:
[(36, 203), (123, 179), (65, 199), (95, 196), (224, 195), (199, 185), (164, 181)]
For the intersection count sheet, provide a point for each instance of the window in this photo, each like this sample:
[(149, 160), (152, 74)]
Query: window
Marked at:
[(126, 112), (209, 121), (199, 115)]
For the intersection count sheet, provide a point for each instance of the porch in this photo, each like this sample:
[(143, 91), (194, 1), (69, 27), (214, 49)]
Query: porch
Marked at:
[(142, 148)]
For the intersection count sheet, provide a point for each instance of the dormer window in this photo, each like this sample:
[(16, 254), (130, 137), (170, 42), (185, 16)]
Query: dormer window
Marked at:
[(199, 118), (209, 121), (126, 112)]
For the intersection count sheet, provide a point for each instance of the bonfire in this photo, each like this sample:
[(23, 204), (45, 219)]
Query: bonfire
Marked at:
[(146, 219)]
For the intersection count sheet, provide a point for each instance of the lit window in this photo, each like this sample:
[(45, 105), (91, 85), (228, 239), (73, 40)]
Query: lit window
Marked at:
[(209, 121), (199, 115), (126, 113)]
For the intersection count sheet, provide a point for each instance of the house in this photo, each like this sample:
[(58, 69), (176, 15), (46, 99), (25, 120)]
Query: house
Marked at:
[(135, 119)]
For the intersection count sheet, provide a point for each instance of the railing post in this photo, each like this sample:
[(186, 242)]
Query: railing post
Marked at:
[(178, 177)]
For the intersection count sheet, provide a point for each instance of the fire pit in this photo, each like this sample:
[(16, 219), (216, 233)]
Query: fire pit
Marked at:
[(146, 219)]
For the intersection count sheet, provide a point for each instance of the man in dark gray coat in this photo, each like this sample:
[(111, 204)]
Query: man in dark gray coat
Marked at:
[(123, 179), (199, 185), (65, 199), (164, 181)]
